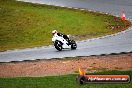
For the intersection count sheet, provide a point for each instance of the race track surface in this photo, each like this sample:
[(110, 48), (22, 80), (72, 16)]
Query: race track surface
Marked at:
[(121, 42)]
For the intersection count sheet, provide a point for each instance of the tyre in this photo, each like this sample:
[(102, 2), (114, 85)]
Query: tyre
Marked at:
[(73, 44), (58, 45)]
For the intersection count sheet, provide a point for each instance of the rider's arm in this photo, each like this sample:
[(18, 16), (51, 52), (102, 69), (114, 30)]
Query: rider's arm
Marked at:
[(63, 35), (59, 34)]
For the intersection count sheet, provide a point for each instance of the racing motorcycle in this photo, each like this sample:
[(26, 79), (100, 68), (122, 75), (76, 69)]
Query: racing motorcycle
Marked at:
[(61, 43)]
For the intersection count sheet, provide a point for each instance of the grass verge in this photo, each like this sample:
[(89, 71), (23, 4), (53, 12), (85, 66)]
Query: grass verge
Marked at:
[(66, 81), (25, 25)]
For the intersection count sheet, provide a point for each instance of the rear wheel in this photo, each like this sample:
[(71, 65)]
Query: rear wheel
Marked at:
[(58, 45), (73, 44)]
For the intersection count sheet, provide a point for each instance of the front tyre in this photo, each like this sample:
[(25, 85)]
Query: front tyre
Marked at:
[(58, 45), (73, 45)]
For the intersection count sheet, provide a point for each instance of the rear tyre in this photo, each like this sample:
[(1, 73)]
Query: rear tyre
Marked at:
[(73, 44), (58, 45)]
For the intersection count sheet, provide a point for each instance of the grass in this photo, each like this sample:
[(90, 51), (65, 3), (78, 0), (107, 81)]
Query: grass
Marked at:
[(25, 25), (65, 81)]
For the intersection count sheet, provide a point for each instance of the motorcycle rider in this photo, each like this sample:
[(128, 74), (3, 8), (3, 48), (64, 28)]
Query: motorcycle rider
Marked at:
[(54, 32)]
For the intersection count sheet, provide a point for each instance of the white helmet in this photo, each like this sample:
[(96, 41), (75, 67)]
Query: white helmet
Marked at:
[(54, 31)]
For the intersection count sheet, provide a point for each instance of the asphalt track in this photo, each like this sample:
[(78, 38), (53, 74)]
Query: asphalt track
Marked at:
[(116, 43)]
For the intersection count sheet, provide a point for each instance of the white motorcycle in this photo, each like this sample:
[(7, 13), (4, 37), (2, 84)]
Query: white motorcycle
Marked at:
[(61, 43)]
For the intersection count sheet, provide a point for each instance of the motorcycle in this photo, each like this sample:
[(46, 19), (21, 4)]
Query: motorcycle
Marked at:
[(61, 43)]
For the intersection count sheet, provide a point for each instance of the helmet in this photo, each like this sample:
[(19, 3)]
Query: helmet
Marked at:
[(54, 31)]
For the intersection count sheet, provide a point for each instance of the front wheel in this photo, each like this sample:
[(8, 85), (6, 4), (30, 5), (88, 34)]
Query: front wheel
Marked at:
[(73, 44), (58, 45)]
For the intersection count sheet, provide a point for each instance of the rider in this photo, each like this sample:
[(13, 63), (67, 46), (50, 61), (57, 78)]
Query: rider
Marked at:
[(54, 32)]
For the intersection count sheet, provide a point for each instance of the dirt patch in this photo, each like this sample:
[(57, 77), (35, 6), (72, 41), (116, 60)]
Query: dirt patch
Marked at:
[(66, 66)]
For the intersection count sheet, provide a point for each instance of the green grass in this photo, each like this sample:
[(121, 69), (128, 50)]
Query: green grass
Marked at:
[(25, 25), (66, 81)]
